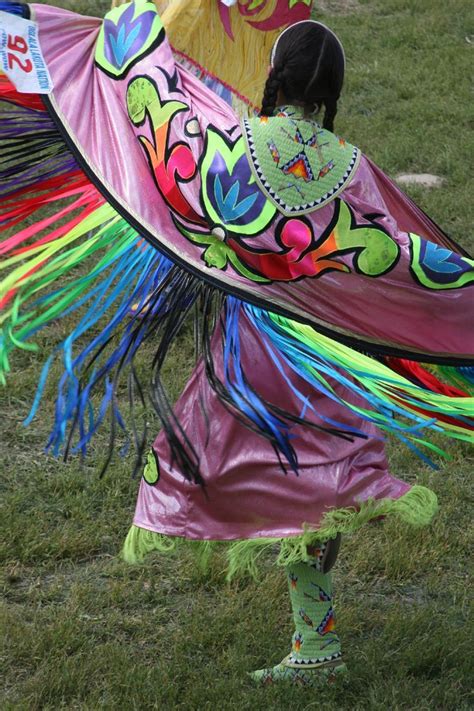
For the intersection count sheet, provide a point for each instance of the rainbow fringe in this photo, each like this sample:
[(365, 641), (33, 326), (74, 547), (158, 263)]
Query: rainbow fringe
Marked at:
[(385, 398), (84, 258)]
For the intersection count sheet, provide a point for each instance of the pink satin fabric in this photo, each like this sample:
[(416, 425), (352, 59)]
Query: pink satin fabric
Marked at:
[(392, 310), (247, 495)]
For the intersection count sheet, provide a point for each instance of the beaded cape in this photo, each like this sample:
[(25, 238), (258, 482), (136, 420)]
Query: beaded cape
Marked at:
[(298, 165)]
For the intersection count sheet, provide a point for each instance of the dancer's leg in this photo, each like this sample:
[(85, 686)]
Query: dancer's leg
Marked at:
[(316, 649)]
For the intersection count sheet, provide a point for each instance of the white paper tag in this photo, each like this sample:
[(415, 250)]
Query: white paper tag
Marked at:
[(21, 58)]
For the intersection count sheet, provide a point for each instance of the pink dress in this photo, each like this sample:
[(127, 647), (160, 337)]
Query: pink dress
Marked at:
[(247, 493)]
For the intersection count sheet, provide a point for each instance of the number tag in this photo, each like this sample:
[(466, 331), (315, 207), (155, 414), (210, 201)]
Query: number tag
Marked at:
[(21, 58)]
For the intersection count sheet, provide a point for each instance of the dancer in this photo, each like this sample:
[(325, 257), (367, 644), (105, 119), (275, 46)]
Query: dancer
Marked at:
[(296, 257)]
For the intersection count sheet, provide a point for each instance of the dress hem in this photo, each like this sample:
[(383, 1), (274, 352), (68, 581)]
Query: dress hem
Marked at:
[(416, 507)]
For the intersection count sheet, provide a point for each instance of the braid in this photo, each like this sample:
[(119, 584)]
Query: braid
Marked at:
[(330, 111), (270, 92)]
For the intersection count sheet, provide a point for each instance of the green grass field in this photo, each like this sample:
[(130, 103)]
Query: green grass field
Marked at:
[(81, 630)]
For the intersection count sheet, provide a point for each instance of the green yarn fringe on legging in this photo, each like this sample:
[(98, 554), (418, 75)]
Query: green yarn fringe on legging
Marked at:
[(416, 508)]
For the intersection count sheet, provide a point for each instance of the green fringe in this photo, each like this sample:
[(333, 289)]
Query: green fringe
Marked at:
[(417, 508)]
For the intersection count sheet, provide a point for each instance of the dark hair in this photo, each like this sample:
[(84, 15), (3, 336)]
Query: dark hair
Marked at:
[(308, 67)]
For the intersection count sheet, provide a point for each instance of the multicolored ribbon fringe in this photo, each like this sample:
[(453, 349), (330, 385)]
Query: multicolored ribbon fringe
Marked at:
[(66, 252)]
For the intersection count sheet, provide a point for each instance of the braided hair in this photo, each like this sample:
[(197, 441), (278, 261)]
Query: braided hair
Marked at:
[(307, 68), (272, 87)]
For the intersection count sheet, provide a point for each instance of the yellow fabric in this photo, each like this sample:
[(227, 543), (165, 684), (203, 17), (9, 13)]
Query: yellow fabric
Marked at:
[(194, 27), (242, 63)]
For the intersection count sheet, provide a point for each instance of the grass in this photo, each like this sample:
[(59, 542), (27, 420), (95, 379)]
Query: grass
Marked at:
[(83, 631)]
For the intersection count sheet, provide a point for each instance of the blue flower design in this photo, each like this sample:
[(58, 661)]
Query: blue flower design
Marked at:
[(441, 264), (235, 198), (125, 38), (228, 206), (231, 196), (437, 267)]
